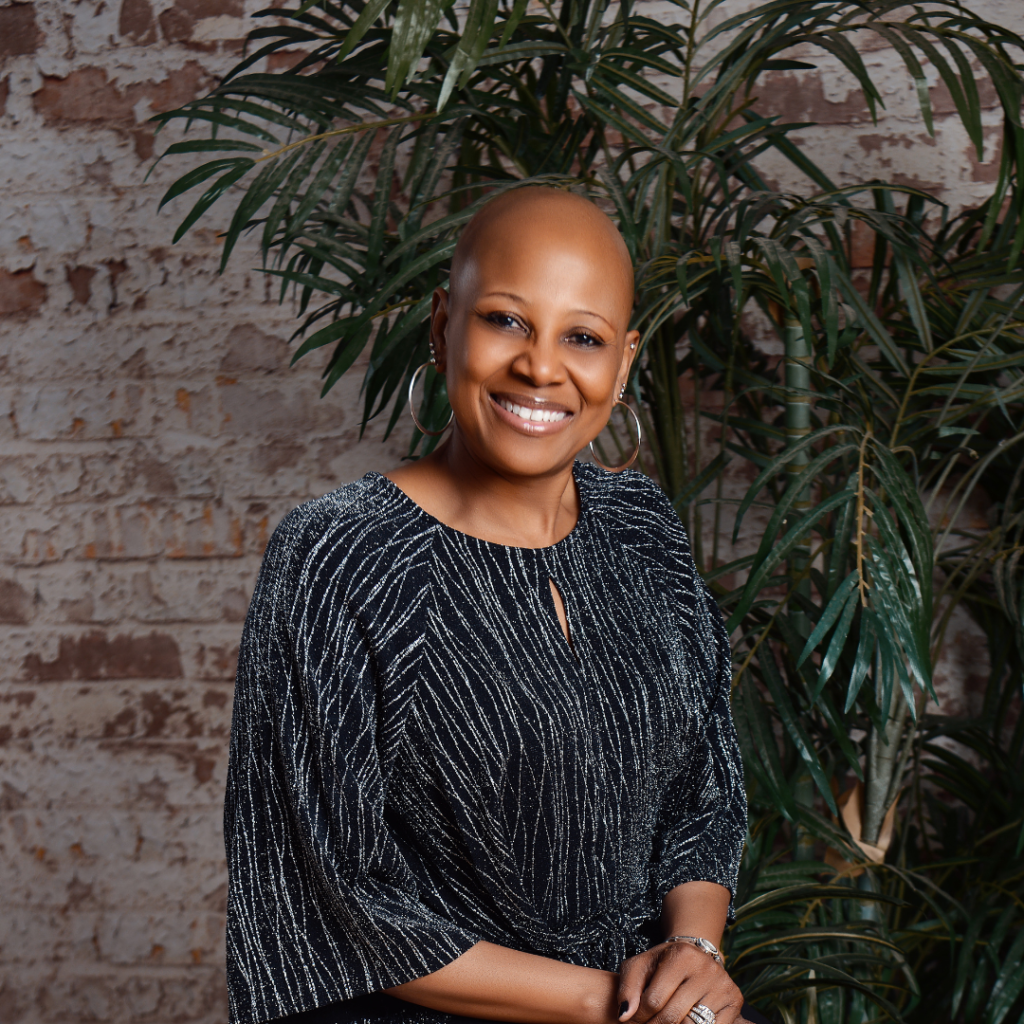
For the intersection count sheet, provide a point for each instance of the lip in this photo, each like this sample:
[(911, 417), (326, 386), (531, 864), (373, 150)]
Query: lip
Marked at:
[(532, 428)]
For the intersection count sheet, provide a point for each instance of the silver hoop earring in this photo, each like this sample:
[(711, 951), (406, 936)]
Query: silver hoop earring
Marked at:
[(636, 450), (412, 409)]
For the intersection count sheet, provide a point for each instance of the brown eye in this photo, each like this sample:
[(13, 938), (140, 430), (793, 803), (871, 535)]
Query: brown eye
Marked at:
[(503, 321), (584, 339)]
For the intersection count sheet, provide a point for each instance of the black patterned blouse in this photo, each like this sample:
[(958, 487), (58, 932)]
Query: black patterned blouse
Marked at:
[(421, 760)]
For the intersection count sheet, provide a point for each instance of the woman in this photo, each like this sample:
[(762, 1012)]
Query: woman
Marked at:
[(482, 761)]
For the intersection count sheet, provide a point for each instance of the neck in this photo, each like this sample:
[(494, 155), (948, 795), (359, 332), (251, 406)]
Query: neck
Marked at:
[(521, 511)]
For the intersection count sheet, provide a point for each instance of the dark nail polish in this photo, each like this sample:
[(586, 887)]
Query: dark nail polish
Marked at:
[(623, 1007)]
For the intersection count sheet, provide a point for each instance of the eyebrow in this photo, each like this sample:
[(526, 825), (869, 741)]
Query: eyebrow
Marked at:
[(519, 298)]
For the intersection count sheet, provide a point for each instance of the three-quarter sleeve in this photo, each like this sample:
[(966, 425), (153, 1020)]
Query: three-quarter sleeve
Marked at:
[(322, 906), (703, 819)]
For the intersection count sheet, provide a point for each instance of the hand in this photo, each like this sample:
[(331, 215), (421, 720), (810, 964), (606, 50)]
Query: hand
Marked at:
[(662, 985)]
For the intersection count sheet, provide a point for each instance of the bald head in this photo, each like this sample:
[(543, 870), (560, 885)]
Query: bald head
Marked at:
[(535, 216), (533, 334)]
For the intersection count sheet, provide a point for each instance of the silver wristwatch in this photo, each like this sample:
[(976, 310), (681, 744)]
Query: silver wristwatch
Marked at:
[(702, 944)]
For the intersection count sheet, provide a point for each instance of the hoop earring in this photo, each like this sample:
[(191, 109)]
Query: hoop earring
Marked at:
[(636, 450), (412, 408)]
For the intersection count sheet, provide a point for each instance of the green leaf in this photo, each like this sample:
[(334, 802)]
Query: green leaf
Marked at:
[(382, 196), (965, 961), (607, 70), (1009, 982), (339, 329), (415, 22), (893, 37), (760, 747), (515, 53), (345, 355), (796, 535), (350, 174), (795, 492), (214, 116), (369, 14), (611, 116), (835, 648), (623, 104), (823, 971), (807, 934), (912, 516), (829, 615), (790, 282), (390, 358), (322, 284), (844, 50), (794, 724), (971, 110), (317, 194), (643, 58), (701, 480), (914, 299), (201, 174), (839, 728), (212, 146), (778, 464), (797, 894), (518, 10), (436, 255), (873, 325), (212, 194), (259, 192), (479, 24), (829, 294)]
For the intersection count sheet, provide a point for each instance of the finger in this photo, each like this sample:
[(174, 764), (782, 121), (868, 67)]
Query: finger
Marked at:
[(676, 965), (677, 1008), (721, 995), (675, 968), (724, 1000), (728, 1012), (706, 983), (634, 975)]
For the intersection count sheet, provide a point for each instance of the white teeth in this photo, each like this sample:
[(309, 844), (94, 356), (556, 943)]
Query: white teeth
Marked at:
[(533, 415)]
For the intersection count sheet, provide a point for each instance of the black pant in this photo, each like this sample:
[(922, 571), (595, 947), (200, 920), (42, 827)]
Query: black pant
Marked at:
[(384, 1009)]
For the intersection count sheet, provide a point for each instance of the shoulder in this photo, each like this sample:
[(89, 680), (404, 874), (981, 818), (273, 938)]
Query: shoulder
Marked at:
[(352, 533), (359, 505), (632, 505), (635, 513)]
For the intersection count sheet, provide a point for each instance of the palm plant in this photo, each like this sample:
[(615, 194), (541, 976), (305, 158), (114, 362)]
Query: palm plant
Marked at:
[(927, 436), (899, 397), (963, 927)]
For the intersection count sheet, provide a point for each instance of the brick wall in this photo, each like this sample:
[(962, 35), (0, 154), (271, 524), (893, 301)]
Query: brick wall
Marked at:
[(151, 436)]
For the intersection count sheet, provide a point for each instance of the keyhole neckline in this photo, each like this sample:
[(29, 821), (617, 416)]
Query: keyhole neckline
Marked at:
[(558, 598)]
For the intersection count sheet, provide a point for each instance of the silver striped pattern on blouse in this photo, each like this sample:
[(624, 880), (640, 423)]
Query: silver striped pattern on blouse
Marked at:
[(420, 760)]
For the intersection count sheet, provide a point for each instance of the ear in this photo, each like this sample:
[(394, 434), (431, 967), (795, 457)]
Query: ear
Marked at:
[(439, 307), (629, 353)]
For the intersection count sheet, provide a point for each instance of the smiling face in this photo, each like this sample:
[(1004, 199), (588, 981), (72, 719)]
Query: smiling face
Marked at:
[(534, 338)]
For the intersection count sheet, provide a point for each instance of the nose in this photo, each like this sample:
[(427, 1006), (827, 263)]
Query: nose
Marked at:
[(539, 361)]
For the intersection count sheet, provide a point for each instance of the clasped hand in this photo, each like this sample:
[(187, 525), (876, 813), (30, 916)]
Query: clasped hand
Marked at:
[(662, 985)]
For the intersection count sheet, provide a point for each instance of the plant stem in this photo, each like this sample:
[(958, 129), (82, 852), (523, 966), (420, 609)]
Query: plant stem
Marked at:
[(667, 412), (883, 763), (694, 525), (803, 796), (723, 434), (798, 426)]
